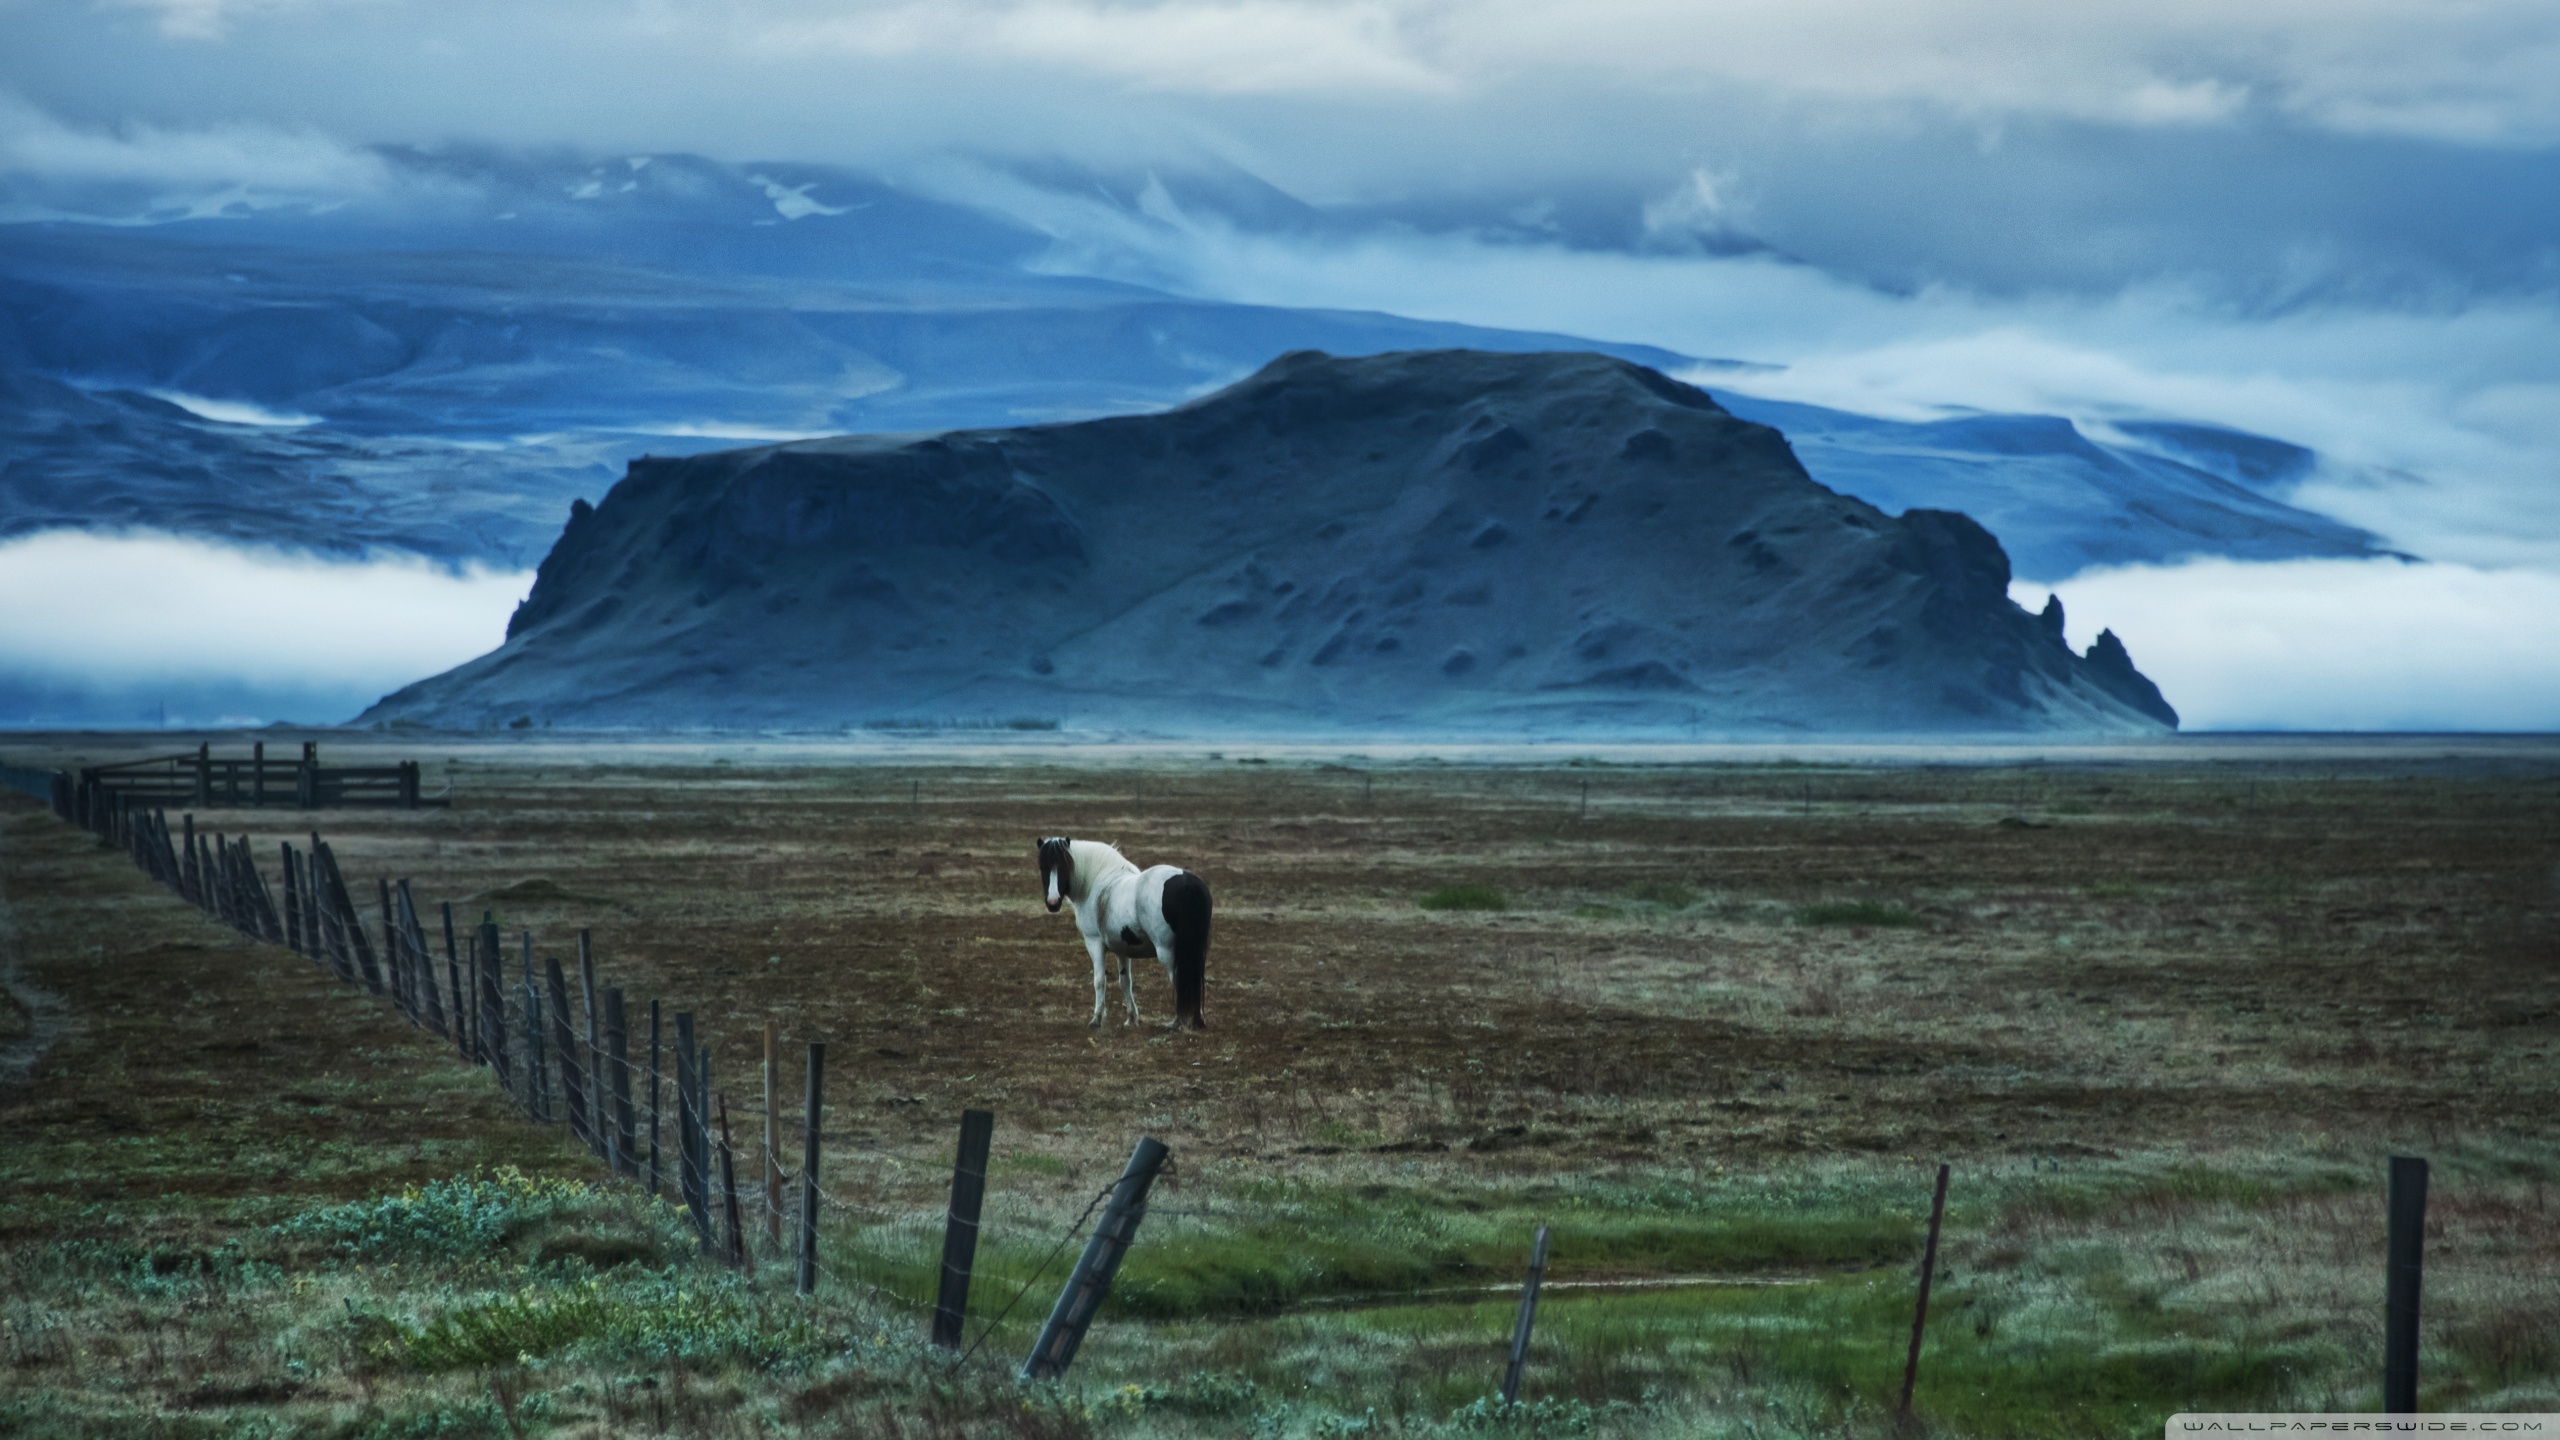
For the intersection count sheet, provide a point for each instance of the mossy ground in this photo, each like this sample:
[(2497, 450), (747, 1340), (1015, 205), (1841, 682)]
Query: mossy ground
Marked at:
[(2166, 1028)]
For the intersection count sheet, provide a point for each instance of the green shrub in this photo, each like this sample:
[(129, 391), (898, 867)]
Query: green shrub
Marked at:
[(443, 1219), (1465, 897), (1855, 912)]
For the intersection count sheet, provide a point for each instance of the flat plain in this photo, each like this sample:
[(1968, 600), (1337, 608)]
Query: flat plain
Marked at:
[(1714, 1014)]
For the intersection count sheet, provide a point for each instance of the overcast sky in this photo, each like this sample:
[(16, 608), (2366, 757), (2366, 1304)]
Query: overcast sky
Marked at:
[(2335, 222)]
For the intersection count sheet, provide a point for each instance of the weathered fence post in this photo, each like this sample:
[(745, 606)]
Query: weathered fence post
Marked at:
[(493, 1002), (392, 959), (1520, 1329), (689, 1176), (348, 925), (599, 1125), (617, 1044), (771, 1167), (292, 901), (657, 1183), (453, 973), (960, 1226), (414, 935), (188, 884), (729, 1192), (1090, 1282), (809, 1167), (204, 776), (1920, 1311), (2407, 1253), (536, 1099), (573, 1089)]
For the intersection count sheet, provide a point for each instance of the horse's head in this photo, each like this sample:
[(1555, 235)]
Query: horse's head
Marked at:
[(1057, 871)]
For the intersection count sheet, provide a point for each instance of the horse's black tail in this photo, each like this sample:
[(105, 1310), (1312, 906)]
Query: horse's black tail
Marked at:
[(1186, 910)]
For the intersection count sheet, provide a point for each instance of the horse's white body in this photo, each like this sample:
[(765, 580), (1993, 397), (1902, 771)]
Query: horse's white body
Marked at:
[(1119, 910)]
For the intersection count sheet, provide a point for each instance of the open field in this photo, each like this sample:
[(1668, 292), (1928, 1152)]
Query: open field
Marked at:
[(1713, 1018)]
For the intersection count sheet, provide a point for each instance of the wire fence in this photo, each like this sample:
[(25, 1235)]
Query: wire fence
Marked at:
[(632, 1082)]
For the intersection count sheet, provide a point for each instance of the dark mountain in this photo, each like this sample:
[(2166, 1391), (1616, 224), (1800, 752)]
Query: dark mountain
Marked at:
[(1445, 540)]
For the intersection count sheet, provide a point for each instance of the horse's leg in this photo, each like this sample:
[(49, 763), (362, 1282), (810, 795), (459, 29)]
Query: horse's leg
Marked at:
[(1101, 978), (1129, 986), (1162, 935)]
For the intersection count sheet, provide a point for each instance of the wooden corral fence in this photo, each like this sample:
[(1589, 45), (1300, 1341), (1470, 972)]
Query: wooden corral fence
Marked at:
[(574, 1059), (93, 795)]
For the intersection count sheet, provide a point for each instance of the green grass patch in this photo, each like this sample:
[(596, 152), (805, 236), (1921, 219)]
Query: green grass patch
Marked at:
[(1668, 893), (1857, 912), (1465, 897)]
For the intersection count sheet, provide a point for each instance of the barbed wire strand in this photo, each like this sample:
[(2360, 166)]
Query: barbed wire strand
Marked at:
[(1046, 1261)]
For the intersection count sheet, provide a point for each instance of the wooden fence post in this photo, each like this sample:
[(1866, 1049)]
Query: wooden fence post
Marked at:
[(771, 1166), (350, 929), (702, 1092), (493, 1004), (617, 1044), (2405, 1258), (401, 999), (204, 777), (1920, 1311), (1528, 1316), (657, 1183), (188, 885), (599, 1125), (573, 1090), (737, 1251), (689, 1176), (809, 1167), (960, 1226), (536, 1099), (414, 935), (266, 897), (453, 973), (292, 901), (1090, 1282)]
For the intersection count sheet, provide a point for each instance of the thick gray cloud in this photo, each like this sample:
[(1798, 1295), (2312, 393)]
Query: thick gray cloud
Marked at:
[(2274, 151)]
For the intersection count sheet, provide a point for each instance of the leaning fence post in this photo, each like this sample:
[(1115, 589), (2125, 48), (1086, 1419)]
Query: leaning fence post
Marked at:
[(1528, 1319), (2408, 1233), (1928, 1269), (960, 1228), (1091, 1280), (809, 1168)]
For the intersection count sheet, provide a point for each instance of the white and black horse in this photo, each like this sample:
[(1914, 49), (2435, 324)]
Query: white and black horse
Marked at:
[(1161, 911)]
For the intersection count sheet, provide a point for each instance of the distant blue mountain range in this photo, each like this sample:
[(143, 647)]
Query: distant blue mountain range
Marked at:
[(444, 365)]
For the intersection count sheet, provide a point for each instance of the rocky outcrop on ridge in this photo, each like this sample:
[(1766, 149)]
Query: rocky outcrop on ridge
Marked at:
[(1442, 541)]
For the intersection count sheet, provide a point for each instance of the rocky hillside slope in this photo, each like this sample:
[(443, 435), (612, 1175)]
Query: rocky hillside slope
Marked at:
[(1452, 541)]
